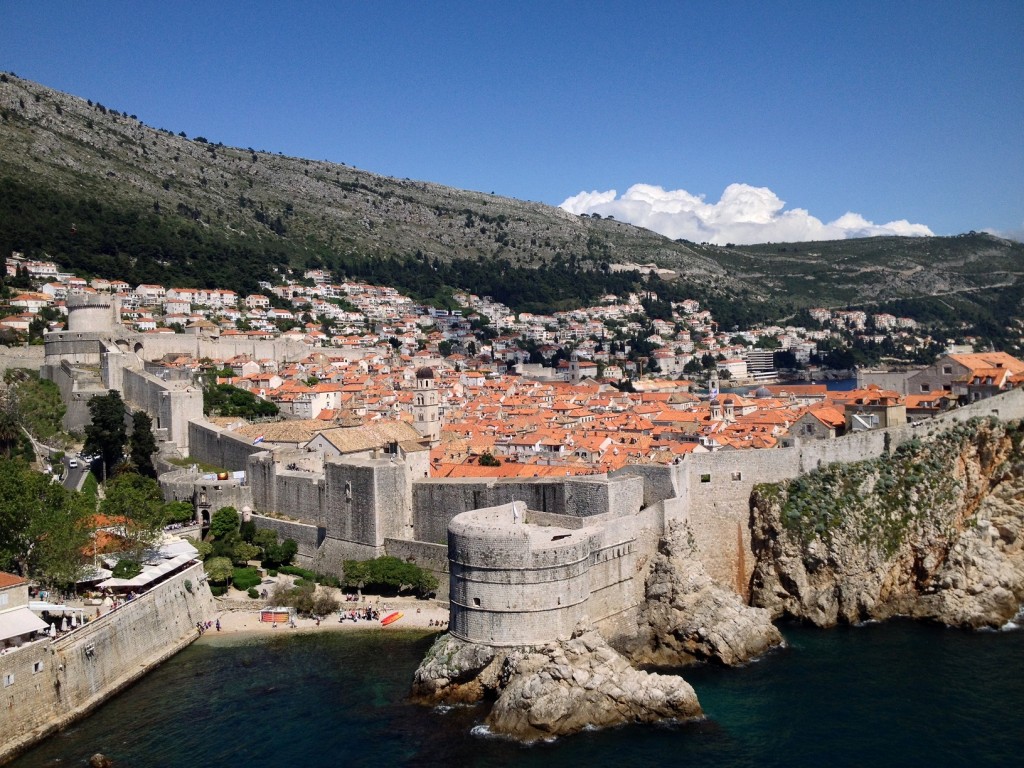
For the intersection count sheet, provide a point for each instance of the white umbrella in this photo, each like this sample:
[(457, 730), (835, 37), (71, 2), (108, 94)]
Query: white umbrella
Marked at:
[(51, 630), (65, 624), (74, 621)]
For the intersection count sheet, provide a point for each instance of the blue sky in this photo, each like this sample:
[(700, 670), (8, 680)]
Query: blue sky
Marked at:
[(893, 112)]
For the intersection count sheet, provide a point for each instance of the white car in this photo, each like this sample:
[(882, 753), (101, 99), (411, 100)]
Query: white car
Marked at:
[(73, 464)]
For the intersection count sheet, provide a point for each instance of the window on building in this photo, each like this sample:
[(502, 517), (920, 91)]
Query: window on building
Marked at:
[(948, 370), (926, 387), (705, 478), (737, 475), (37, 667), (8, 680), (476, 601)]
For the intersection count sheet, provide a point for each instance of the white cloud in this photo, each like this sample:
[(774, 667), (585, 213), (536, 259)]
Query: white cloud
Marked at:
[(744, 214)]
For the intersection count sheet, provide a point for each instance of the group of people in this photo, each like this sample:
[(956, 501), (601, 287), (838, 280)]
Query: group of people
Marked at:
[(202, 626), (368, 613)]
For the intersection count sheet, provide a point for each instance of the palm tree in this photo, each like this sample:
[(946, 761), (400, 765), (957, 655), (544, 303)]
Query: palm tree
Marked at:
[(10, 433)]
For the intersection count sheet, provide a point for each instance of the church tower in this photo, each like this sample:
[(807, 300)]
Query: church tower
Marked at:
[(426, 411)]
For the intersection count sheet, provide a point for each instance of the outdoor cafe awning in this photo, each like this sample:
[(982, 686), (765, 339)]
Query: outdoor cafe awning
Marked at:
[(19, 621)]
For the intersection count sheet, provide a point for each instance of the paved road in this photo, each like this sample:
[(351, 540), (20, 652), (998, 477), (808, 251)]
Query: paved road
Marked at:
[(74, 477)]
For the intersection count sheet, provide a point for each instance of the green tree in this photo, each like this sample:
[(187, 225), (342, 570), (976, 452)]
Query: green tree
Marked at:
[(142, 444), (36, 403), (178, 512), (388, 575), (106, 433), (224, 523), (138, 506), (242, 552), (487, 459), (276, 554), (226, 400), (10, 433), (219, 569), (43, 526)]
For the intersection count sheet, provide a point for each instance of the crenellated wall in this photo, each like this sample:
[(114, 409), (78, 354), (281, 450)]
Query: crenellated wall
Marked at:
[(436, 502)]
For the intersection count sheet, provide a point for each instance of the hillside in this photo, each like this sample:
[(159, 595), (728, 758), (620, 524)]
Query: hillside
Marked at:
[(312, 211), (100, 192)]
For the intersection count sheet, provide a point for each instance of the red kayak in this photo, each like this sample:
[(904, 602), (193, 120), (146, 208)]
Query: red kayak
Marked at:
[(391, 618)]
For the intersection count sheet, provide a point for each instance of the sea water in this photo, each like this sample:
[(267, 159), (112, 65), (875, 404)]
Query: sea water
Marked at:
[(898, 694)]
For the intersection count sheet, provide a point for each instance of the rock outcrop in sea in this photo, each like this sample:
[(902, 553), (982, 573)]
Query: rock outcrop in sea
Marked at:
[(689, 617), (933, 530), (551, 690)]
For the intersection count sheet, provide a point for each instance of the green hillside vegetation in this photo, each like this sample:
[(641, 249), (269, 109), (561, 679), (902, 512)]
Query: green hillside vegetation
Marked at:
[(103, 194)]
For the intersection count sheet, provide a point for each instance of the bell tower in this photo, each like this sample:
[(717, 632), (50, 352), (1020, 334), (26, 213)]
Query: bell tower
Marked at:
[(426, 411)]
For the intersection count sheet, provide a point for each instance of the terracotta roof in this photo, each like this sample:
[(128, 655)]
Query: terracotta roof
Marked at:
[(9, 580)]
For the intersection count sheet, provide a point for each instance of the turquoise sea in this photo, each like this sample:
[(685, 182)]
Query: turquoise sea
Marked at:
[(898, 694)]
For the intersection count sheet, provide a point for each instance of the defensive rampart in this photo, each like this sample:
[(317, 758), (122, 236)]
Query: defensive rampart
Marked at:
[(716, 487), (218, 447), (171, 405), (436, 502), (48, 684)]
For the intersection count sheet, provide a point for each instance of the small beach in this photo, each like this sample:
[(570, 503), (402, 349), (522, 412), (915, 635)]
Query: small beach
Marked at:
[(242, 617)]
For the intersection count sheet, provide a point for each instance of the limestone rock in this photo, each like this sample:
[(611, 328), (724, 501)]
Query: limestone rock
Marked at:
[(540, 701), (456, 672), (551, 690), (689, 617), (935, 531)]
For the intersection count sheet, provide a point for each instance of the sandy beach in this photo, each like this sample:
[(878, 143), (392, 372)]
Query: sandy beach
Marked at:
[(242, 617)]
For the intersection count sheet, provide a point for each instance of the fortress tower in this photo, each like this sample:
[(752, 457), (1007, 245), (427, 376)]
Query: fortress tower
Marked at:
[(426, 410), (92, 313)]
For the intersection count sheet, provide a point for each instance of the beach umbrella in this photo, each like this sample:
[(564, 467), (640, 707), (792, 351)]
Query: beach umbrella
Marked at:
[(51, 630), (64, 624), (74, 621)]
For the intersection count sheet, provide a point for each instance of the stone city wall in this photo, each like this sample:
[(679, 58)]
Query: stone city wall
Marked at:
[(308, 537), (212, 445), (28, 356), (54, 683), (367, 502), (171, 406), (718, 485), (436, 502), (660, 481), (430, 557), (157, 346), (77, 387)]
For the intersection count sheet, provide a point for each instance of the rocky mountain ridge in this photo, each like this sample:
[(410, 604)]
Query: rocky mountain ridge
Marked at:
[(161, 194), (65, 142)]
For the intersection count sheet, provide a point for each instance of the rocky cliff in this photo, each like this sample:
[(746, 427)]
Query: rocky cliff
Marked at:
[(689, 617), (551, 690), (933, 530)]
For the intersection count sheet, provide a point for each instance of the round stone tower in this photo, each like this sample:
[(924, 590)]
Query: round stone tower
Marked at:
[(91, 312), (513, 583)]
